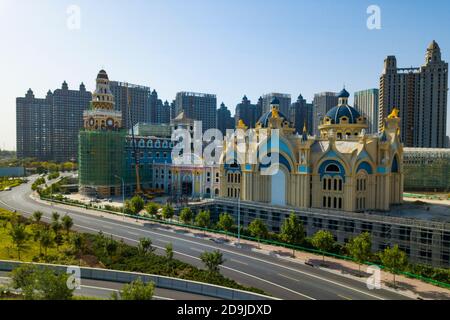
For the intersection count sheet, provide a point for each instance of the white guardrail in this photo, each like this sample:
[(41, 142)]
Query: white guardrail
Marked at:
[(176, 284)]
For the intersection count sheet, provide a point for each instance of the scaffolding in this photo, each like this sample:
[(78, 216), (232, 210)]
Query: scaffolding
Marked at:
[(426, 169), (101, 161)]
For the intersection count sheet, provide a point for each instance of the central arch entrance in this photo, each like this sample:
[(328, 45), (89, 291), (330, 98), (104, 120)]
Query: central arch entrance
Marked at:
[(278, 186)]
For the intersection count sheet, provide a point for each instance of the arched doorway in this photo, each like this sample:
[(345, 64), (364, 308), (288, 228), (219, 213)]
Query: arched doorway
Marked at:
[(186, 186), (278, 187)]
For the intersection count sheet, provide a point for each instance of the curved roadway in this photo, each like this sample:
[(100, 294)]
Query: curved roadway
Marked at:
[(279, 277)]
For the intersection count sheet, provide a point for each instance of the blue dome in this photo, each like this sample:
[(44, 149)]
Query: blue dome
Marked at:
[(343, 94), (264, 120), (336, 113), (275, 101)]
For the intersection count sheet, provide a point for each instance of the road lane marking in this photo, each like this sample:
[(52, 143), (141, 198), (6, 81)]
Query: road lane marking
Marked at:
[(237, 261), (197, 250), (287, 277), (115, 290), (344, 297)]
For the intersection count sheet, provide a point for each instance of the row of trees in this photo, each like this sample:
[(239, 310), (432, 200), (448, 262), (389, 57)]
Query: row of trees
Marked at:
[(293, 232)]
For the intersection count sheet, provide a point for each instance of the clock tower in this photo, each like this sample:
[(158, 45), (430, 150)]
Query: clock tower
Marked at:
[(102, 115), (101, 145)]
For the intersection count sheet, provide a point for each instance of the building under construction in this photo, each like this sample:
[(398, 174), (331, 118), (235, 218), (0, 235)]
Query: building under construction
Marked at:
[(426, 169), (101, 149), (101, 162)]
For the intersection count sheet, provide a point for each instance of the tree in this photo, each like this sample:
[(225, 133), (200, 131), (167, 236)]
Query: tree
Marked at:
[(152, 209), (394, 259), (19, 237), (359, 248), (111, 247), (36, 238), (67, 223), (169, 251), (37, 216), (55, 216), (138, 290), (225, 222), (45, 240), (137, 204), (77, 241), (203, 219), (212, 260), (167, 211), (186, 215), (41, 283), (292, 231), (59, 240), (145, 246), (56, 225), (258, 229), (323, 241)]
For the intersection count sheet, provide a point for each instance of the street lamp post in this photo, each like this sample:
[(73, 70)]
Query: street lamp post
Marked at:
[(239, 219)]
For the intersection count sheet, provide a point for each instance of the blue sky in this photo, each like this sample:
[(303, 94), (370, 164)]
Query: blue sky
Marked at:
[(226, 47)]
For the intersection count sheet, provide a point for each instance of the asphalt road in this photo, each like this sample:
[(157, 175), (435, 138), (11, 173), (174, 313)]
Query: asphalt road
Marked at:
[(279, 277)]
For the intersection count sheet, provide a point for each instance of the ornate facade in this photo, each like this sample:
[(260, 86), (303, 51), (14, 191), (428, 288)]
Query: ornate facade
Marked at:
[(343, 168)]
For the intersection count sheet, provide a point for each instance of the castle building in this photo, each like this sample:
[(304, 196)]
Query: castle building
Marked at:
[(343, 168)]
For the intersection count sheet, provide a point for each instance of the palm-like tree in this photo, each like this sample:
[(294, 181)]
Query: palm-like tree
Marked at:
[(19, 236), (46, 240), (37, 216), (67, 223)]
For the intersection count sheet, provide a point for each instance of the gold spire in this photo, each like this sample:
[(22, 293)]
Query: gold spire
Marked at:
[(241, 124), (275, 112), (394, 113), (305, 130)]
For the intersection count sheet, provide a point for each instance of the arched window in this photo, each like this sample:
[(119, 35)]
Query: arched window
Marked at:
[(324, 202), (150, 144), (158, 144), (335, 184), (324, 184), (335, 203), (332, 168)]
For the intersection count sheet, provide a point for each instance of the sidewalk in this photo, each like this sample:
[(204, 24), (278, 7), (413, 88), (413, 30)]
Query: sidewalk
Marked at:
[(409, 287)]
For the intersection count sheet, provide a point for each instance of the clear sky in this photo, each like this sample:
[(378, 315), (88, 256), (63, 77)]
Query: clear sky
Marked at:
[(226, 47)]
